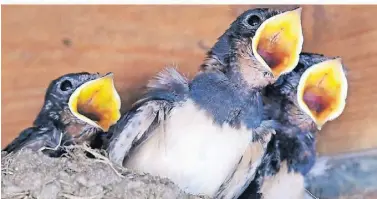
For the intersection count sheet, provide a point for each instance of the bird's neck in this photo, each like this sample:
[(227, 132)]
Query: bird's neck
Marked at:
[(236, 77), (244, 69), (297, 117), (218, 56)]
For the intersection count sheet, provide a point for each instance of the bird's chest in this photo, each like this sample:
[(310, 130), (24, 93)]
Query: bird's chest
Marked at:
[(192, 150), (76, 130), (284, 185)]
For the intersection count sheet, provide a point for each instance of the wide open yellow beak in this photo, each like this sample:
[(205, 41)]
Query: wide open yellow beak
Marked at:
[(97, 102), (278, 42), (322, 91)]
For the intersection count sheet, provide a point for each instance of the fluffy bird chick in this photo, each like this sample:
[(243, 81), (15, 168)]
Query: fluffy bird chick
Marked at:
[(303, 101), (207, 135), (76, 108)]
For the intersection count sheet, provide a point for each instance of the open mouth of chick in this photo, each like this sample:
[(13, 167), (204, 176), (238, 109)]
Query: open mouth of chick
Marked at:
[(97, 102), (278, 42), (322, 91)]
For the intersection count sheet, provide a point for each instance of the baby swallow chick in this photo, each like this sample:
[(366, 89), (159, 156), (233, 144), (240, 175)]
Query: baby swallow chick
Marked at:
[(76, 108), (208, 135), (302, 101)]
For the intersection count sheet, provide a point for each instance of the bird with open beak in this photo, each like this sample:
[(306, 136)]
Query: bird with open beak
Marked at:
[(207, 135), (302, 101), (77, 107)]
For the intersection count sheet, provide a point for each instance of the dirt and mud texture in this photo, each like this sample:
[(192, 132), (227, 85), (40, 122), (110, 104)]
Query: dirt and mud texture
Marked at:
[(30, 174)]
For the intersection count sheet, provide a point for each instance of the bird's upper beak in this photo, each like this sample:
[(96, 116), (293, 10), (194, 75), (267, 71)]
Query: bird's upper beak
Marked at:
[(278, 42), (97, 102), (322, 91)]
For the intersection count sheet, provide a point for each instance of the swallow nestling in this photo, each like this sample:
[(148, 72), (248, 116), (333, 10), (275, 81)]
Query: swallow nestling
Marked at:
[(207, 135), (302, 101), (76, 108)]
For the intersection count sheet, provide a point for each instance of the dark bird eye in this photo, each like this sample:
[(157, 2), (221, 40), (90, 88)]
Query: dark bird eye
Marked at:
[(254, 20), (66, 85)]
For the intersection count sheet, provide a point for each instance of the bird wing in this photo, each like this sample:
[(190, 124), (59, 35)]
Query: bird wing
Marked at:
[(44, 138), (135, 128), (137, 125), (245, 170), (289, 156)]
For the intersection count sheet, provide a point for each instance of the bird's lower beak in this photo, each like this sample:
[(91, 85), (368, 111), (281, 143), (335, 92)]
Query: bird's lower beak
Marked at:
[(278, 42), (97, 102), (322, 91)]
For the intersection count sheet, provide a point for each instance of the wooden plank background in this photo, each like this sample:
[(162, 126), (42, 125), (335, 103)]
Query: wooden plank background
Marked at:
[(40, 43)]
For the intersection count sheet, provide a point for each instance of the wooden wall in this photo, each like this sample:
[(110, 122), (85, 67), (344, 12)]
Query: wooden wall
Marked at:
[(40, 43)]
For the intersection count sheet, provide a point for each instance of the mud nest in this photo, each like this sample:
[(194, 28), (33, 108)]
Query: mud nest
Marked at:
[(76, 175)]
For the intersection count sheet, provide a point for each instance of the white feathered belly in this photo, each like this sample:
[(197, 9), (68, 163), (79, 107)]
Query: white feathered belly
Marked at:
[(191, 150)]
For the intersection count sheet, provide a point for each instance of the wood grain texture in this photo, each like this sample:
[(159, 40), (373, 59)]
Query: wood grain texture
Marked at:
[(40, 43)]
